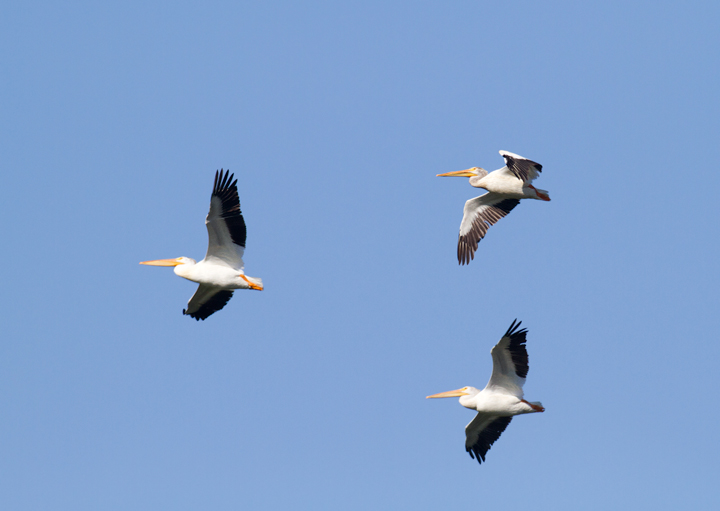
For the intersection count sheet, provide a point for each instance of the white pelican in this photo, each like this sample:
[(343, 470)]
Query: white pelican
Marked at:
[(505, 186), (222, 269), (501, 398)]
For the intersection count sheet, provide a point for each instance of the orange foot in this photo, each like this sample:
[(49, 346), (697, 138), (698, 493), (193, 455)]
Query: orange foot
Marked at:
[(251, 284), (540, 194), (534, 407)]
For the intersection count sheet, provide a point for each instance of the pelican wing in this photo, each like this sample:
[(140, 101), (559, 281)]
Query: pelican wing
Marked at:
[(207, 300), (225, 223), (510, 362), (479, 214), (522, 168), (482, 432)]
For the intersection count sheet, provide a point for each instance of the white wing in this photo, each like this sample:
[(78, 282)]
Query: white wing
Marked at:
[(522, 168), (510, 362), (225, 224), (207, 300), (479, 214), (482, 432)]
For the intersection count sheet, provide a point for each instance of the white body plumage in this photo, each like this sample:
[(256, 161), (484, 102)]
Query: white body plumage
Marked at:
[(214, 274), (496, 403)]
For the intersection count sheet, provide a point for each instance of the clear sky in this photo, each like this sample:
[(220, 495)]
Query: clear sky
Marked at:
[(335, 118)]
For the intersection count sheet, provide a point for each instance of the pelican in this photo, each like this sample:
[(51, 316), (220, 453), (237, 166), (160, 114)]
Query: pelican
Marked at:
[(502, 397), (505, 186), (222, 270)]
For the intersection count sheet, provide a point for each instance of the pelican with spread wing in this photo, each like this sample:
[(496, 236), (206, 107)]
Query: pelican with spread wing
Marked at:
[(502, 397), (222, 270), (505, 186)]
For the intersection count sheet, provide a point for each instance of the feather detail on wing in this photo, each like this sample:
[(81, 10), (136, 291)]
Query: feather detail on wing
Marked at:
[(479, 214), (522, 168), (482, 432), (225, 224), (510, 362), (206, 301)]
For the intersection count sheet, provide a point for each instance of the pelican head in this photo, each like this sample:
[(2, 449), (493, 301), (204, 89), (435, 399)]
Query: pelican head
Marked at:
[(169, 262), (465, 394), (476, 174), (181, 264)]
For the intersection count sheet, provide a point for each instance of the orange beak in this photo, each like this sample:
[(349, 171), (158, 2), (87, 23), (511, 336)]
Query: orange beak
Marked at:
[(458, 173), (450, 393), (162, 262)]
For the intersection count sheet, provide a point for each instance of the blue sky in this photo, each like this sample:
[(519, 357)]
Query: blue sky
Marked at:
[(335, 118)]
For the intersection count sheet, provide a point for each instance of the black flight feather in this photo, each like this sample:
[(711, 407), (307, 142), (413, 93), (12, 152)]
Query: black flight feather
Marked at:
[(520, 167), (214, 304), (488, 216), (225, 189), (487, 437), (517, 348)]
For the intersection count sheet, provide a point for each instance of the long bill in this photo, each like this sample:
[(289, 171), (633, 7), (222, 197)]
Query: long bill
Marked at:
[(458, 173), (162, 262), (450, 393)]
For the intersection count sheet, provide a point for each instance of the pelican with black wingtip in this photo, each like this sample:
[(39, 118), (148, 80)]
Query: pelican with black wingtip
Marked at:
[(222, 270), (502, 397), (506, 187)]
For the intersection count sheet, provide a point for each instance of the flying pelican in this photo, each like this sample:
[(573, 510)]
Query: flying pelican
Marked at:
[(221, 271), (501, 398), (505, 186)]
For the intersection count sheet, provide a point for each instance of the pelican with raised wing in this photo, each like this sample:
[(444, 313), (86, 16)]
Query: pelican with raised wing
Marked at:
[(505, 186), (502, 397), (222, 270)]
